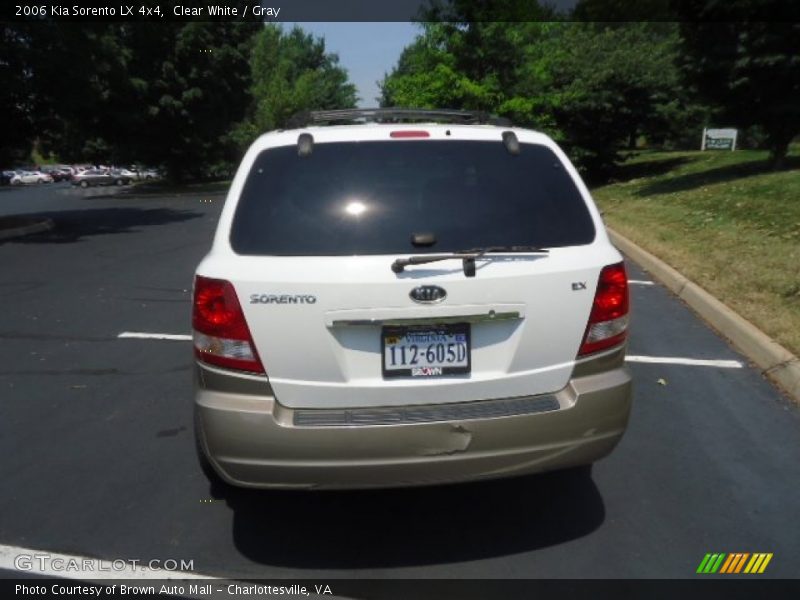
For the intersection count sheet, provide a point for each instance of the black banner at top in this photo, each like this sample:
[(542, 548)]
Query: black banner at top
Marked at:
[(402, 10)]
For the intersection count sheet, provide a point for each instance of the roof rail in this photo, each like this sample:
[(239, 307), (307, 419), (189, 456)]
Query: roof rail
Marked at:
[(394, 115)]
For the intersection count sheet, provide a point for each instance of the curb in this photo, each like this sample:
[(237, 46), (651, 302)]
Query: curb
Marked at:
[(44, 225), (775, 361)]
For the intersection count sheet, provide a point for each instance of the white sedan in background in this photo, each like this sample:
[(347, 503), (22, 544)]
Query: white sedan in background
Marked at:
[(31, 177)]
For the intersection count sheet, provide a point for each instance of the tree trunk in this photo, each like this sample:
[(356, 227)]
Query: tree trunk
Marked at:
[(632, 140), (779, 147), (777, 155)]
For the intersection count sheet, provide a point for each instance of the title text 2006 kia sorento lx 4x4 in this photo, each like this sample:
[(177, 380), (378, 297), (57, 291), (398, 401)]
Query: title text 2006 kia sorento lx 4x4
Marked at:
[(413, 297)]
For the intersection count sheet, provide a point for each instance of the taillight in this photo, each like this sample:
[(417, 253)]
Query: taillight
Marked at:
[(221, 335), (608, 321)]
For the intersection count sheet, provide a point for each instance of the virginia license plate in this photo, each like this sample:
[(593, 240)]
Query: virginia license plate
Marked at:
[(426, 351)]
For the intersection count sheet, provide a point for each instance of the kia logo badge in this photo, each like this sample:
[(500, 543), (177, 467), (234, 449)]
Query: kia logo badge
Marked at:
[(428, 294)]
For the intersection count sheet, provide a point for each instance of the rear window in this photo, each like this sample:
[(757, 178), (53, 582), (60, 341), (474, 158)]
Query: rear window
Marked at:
[(351, 198)]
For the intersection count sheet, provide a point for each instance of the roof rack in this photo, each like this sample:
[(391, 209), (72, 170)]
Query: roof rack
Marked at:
[(394, 115)]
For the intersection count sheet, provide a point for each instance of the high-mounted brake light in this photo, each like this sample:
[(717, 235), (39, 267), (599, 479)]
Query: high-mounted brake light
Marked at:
[(221, 335), (409, 133), (608, 321)]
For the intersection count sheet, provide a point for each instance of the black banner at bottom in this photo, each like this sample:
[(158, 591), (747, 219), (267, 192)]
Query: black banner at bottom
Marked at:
[(401, 589)]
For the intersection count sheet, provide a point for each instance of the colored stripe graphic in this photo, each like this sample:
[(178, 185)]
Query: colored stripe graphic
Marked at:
[(734, 563), (740, 564), (754, 563), (703, 563), (710, 564), (737, 557), (727, 564), (730, 566), (713, 567), (737, 566), (764, 564)]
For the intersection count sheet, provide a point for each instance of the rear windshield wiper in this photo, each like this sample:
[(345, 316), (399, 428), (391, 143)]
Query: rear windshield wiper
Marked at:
[(467, 257)]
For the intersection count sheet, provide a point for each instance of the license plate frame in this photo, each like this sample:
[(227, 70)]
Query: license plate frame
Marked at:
[(426, 370)]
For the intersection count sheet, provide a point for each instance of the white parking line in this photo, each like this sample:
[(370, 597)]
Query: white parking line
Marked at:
[(640, 282), (155, 336), (69, 566), (677, 360), (663, 360)]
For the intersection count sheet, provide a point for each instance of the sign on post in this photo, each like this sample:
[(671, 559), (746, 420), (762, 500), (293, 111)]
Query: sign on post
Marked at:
[(718, 139)]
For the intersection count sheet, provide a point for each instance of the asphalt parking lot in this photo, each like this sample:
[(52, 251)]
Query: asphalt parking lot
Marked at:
[(98, 457)]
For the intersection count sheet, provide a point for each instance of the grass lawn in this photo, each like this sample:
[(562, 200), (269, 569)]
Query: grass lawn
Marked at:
[(725, 221)]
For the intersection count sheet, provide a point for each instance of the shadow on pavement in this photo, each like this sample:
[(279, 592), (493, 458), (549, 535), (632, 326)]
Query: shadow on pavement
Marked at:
[(73, 225), (414, 526)]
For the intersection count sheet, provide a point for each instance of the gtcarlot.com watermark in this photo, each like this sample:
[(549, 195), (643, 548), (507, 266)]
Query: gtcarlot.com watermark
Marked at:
[(49, 563)]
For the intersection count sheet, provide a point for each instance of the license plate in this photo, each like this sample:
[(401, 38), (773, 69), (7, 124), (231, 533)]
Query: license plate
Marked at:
[(426, 351)]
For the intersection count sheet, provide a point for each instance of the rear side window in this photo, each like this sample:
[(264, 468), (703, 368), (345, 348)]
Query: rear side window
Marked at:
[(351, 198)]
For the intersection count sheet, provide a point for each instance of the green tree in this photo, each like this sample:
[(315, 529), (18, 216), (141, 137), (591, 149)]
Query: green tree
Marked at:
[(162, 94), (52, 75), (187, 85), (15, 96), (611, 84), (429, 74), (750, 68), (593, 87), (291, 72), (81, 77)]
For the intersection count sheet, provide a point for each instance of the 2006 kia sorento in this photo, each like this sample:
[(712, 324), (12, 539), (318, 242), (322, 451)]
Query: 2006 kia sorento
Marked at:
[(411, 298)]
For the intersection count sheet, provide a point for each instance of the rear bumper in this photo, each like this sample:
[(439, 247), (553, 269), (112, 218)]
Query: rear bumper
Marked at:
[(253, 441)]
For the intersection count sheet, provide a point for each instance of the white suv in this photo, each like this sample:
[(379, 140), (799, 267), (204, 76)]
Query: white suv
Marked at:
[(415, 297)]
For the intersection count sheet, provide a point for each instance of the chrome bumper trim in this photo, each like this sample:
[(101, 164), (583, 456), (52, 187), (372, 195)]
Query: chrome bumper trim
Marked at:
[(489, 317), (481, 409)]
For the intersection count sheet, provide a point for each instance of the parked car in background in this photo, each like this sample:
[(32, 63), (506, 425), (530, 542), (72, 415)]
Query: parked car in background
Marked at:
[(57, 172), (150, 174), (5, 177), (127, 173), (100, 177), (30, 177), (136, 170)]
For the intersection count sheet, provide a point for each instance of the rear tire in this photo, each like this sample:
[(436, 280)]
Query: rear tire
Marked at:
[(119, 182)]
